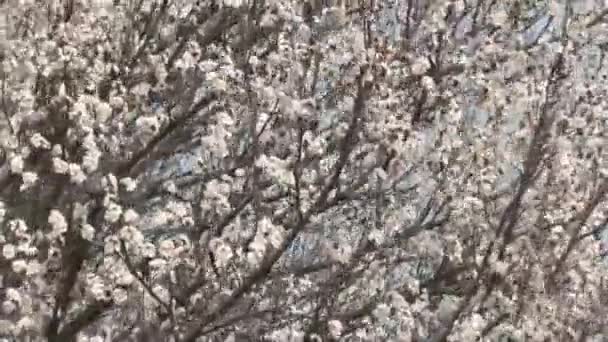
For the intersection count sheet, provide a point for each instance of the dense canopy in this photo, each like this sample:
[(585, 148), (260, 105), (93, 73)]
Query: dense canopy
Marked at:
[(282, 170)]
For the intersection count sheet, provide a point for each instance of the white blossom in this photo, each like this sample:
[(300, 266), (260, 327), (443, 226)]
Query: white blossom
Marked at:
[(33, 268), (13, 295), (501, 267), (166, 248), (255, 255), (19, 266), (125, 279), (376, 236), (113, 212), (233, 3), (130, 216), (170, 187), (29, 179), (58, 222), (147, 125), (98, 289), (116, 102), (120, 296), (157, 263), (103, 111), (56, 151), (2, 211), (9, 251), (39, 141), (17, 164), (87, 232), (60, 166), (420, 66), (131, 235), (148, 250), (161, 292), (129, 183), (335, 328), (90, 161), (26, 324), (77, 176)]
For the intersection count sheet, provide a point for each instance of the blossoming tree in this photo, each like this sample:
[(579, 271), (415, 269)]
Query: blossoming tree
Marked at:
[(441, 164)]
